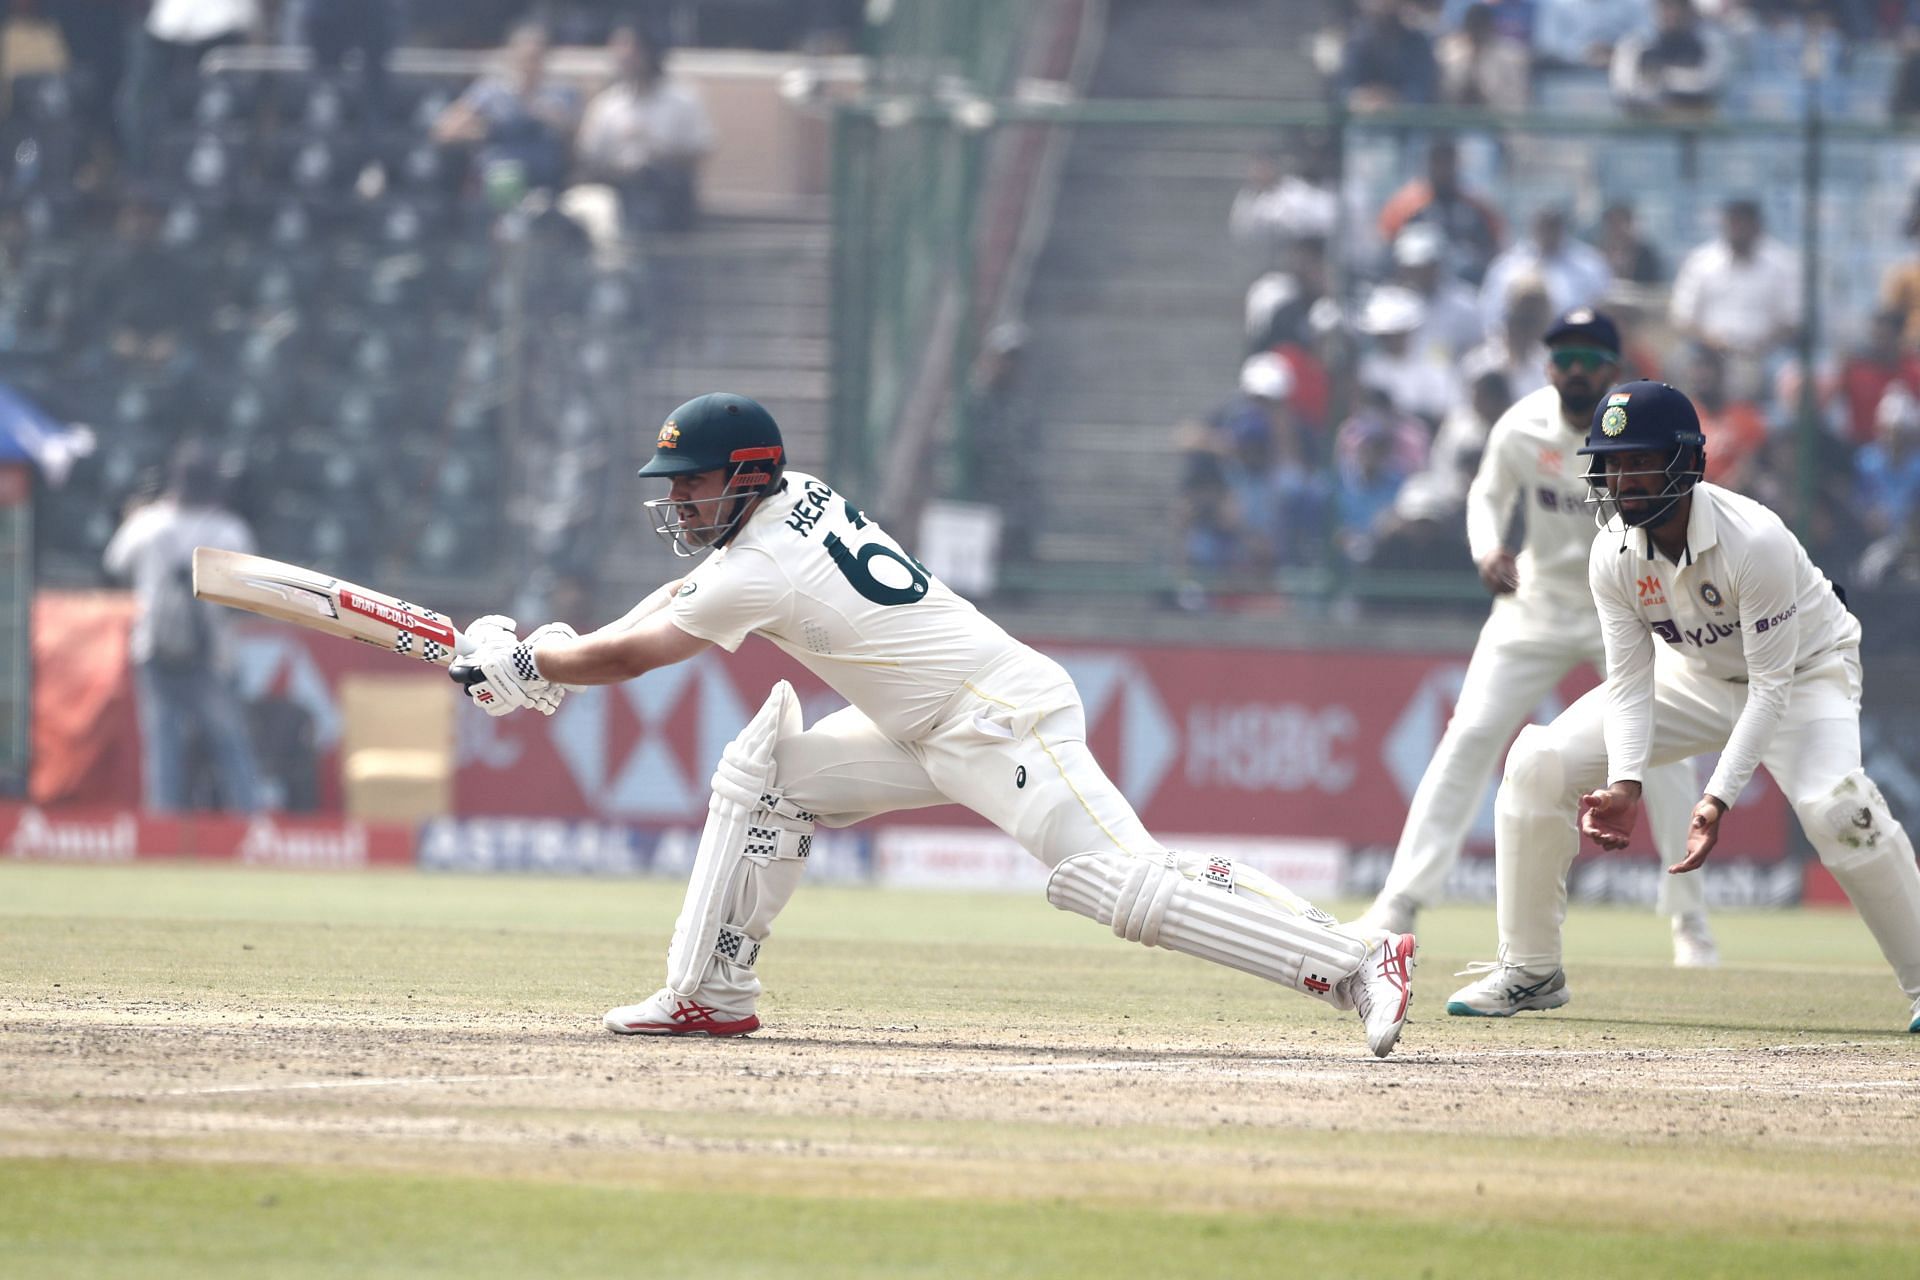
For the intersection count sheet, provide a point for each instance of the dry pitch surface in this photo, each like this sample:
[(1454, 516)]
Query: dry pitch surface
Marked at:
[(389, 1068)]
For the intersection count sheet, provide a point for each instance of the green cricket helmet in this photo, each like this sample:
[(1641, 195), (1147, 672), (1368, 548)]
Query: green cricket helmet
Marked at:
[(715, 432)]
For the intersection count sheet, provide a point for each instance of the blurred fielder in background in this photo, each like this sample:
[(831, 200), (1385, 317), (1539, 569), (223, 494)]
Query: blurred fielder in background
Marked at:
[(946, 707), (1542, 626), (1759, 659)]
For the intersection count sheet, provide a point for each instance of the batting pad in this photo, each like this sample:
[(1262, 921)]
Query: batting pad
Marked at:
[(1162, 900), (739, 782)]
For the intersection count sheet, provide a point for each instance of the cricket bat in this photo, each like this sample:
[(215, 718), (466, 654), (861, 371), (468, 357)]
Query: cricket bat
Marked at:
[(309, 598)]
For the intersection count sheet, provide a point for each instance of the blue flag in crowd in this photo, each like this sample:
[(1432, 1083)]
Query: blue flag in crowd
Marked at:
[(28, 432)]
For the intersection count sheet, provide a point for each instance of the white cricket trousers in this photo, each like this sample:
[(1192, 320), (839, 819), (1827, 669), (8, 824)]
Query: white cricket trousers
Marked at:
[(1814, 756), (1011, 749), (1511, 670), (1011, 746)]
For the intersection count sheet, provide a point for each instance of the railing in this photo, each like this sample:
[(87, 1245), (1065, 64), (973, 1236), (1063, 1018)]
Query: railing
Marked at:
[(1834, 190)]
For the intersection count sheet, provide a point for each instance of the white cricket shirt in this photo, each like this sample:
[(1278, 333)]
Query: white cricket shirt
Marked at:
[(157, 541), (830, 587), (1532, 456), (1744, 604)]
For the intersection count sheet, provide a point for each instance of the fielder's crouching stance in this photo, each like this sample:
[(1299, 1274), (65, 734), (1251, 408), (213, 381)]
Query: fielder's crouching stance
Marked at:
[(1758, 659), (945, 707)]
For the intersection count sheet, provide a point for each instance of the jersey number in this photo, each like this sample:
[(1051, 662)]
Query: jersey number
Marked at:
[(857, 566)]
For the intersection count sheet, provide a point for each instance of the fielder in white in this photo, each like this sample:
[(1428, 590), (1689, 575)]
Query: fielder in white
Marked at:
[(1542, 626), (1757, 659), (945, 706)]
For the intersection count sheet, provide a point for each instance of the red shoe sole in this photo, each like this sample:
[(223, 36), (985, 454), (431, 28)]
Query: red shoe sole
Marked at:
[(738, 1027)]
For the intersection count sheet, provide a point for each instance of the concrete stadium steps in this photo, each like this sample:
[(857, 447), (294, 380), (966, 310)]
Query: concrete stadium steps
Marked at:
[(1207, 49), (1136, 305), (743, 305)]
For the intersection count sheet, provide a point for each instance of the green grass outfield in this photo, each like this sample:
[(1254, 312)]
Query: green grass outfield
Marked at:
[(1759, 1120)]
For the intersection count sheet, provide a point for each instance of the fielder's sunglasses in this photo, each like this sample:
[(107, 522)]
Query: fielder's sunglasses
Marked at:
[(1588, 358)]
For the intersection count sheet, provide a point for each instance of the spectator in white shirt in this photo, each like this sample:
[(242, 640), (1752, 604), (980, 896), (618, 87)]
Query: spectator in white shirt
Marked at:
[(1583, 33), (183, 670), (1575, 274), (1417, 383), (1279, 206), (1453, 325), (1680, 65), (645, 135), (1739, 295)]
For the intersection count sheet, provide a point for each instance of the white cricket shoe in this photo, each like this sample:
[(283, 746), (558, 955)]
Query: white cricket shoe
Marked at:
[(1390, 913), (666, 1014), (1382, 988), (1693, 945), (1506, 990)]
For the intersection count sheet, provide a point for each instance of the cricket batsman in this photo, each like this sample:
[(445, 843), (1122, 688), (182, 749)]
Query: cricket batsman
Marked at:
[(945, 707), (1721, 635), (1542, 625)]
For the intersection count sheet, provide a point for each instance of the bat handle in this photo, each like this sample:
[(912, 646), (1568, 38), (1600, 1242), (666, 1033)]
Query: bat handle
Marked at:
[(465, 674)]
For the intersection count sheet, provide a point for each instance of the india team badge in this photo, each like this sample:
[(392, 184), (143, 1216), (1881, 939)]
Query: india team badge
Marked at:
[(1614, 420), (1711, 594)]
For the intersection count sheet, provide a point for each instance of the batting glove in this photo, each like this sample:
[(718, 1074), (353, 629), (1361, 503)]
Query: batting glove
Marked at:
[(490, 630), (512, 682)]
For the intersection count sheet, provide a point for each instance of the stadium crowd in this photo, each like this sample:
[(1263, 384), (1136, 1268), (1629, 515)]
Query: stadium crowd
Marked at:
[(279, 266), (1402, 280), (381, 320)]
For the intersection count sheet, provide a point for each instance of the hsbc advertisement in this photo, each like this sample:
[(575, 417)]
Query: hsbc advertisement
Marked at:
[(1244, 742), (1300, 751)]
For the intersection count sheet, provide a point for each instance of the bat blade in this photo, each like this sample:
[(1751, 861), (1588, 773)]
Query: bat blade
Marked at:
[(321, 602)]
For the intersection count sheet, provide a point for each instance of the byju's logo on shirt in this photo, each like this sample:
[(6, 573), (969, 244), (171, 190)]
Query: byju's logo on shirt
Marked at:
[(1713, 633), (1651, 592)]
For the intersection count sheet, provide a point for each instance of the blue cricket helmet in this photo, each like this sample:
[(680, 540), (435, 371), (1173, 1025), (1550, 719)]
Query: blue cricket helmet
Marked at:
[(1645, 417)]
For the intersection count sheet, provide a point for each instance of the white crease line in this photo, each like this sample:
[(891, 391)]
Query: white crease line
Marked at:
[(1330, 1074), (1438, 1060), (374, 1083), (1478, 1055)]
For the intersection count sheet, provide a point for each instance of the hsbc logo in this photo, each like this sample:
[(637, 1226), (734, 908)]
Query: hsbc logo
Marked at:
[(645, 749), (1122, 703)]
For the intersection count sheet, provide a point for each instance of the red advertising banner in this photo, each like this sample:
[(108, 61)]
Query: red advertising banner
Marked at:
[(1282, 744), (263, 840), (1208, 740)]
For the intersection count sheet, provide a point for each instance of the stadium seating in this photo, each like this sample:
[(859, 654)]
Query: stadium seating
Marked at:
[(337, 339)]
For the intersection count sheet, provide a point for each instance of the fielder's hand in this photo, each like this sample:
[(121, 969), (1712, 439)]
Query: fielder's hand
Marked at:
[(1498, 573), (1703, 832), (1607, 817)]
